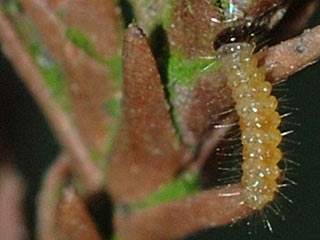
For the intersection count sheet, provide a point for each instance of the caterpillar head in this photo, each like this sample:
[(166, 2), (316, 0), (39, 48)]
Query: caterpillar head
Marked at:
[(235, 52)]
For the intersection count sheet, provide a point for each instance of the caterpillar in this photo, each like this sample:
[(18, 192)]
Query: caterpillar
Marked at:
[(258, 121)]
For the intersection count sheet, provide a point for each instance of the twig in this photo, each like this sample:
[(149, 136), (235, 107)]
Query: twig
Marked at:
[(49, 197), (179, 218), (291, 56), (11, 196)]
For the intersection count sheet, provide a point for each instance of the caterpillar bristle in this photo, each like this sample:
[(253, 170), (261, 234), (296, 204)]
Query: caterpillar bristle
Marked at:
[(207, 57), (210, 65), (286, 133), (272, 209), (229, 180), (264, 216), (278, 83), (230, 110), (277, 207), (283, 99), (229, 162), (286, 140), (233, 146), (284, 122), (230, 139), (289, 108), (229, 194), (285, 197), (280, 90), (283, 185), (285, 159), (290, 181), (288, 114), (234, 133), (265, 220), (229, 169), (288, 170), (229, 154), (225, 125)]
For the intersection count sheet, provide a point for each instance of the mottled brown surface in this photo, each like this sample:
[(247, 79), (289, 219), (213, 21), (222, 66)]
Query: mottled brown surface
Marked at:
[(99, 19), (57, 3), (209, 98), (73, 218), (58, 119), (87, 79), (191, 30), (49, 26), (146, 152), (179, 218), (88, 90)]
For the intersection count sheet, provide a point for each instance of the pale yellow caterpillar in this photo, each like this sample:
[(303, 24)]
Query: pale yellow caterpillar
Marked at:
[(258, 121)]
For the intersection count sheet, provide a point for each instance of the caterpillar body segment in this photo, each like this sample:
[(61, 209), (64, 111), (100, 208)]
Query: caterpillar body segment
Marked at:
[(258, 121)]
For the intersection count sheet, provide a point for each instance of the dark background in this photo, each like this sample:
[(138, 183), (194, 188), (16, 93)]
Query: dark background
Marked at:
[(26, 132)]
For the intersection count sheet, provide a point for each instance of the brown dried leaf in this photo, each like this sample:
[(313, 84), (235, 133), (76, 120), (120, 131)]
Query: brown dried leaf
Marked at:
[(49, 26), (193, 27), (73, 219), (206, 101), (99, 19), (88, 90), (146, 152), (32, 78), (87, 78)]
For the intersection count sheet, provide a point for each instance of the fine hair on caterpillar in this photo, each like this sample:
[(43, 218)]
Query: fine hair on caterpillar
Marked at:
[(251, 151), (255, 153)]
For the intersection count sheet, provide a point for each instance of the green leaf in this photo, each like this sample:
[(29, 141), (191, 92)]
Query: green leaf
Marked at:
[(179, 188)]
